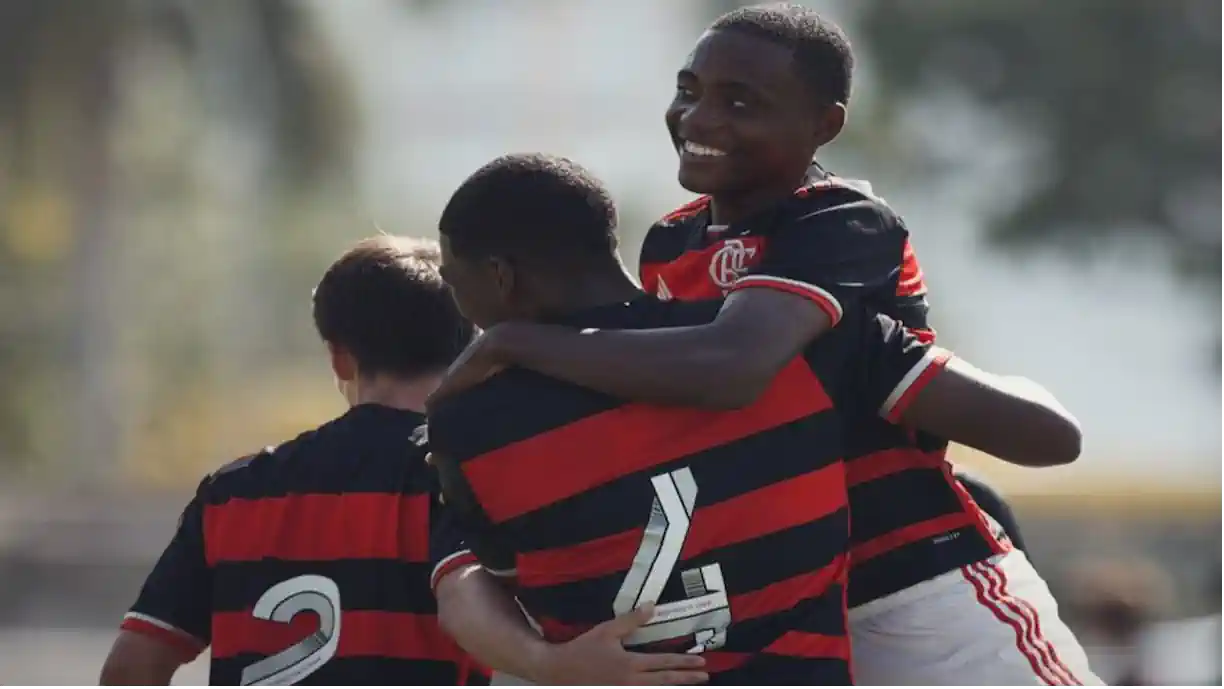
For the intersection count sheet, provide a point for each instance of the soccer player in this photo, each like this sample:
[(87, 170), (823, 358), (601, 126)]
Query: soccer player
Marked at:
[(740, 535), (307, 563), (794, 249)]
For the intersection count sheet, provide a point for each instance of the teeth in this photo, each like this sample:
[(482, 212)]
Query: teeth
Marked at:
[(699, 150)]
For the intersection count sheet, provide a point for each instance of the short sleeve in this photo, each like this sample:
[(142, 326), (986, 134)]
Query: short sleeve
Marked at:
[(460, 532), (840, 248), (448, 544), (175, 603), (894, 365)]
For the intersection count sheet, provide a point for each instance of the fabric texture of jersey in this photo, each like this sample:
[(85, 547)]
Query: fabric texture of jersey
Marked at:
[(995, 506), (734, 523), (308, 563), (845, 249)]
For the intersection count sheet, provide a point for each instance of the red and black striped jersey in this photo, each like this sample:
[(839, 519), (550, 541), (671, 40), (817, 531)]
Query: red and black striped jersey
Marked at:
[(735, 524), (844, 249), (308, 563)]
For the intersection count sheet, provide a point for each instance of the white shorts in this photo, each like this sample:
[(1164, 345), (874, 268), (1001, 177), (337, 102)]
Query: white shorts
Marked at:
[(991, 623)]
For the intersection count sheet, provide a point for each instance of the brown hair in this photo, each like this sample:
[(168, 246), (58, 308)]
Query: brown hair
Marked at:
[(386, 303)]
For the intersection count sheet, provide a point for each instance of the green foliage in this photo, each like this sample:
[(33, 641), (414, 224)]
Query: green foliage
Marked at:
[(1122, 98)]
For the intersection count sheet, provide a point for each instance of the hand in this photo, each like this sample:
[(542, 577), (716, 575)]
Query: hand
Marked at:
[(599, 657), (479, 361)]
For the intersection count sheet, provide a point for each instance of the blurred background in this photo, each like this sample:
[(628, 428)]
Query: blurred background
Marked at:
[(175, 175)]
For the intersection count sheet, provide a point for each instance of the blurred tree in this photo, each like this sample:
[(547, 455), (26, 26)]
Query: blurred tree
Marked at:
[(270, 107), (1120, 100)]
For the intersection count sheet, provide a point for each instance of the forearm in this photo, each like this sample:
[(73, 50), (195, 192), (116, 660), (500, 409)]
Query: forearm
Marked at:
[(688, 366), (486, 621)]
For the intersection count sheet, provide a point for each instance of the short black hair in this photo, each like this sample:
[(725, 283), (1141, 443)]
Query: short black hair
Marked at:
[(531, 207), (385, 301), (823, 57)]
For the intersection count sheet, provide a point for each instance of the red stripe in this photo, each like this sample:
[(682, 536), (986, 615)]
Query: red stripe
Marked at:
[(363, 633), (1051, 662), (606, 446), (688, 276), (808, 645), (908, 534), (924, 335), (764, 511), (939, 359), (176, 638), (984, 596), (910, 281), (883, 463), (319, 527), (1028, 640), (818, 297), (688, 210)]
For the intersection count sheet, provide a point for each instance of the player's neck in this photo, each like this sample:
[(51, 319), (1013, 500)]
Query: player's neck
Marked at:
[(729, 209), (398, 393), (590, 289)]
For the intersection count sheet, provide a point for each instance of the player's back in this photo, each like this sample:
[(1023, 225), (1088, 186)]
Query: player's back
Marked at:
[(319, 556), (734, 523)]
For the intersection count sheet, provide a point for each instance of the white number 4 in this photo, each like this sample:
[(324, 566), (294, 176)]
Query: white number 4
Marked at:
[(705, 612), (307, 593)]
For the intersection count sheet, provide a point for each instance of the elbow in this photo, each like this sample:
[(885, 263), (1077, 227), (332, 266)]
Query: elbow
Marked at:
[(1066, 441)]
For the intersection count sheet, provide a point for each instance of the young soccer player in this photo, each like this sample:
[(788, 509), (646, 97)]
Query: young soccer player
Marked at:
[(794, 249)]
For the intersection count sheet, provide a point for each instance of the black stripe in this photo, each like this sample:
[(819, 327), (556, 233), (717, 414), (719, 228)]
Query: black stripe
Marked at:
[(665, 242), (820, 615), (778, 671), (386, 585), (355, 671), (899, 500), (914, 563), (368, 450)]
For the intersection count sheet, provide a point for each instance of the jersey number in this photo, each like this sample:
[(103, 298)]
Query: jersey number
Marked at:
[(307, 593), (705, 612)]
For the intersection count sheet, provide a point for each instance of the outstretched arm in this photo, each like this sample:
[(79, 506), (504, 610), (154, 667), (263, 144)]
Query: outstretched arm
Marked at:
[(169, 624), (1009, 417), (926, 388)]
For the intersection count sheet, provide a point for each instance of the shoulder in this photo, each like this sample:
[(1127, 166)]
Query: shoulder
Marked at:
[(238, 476), (468, 412), (688, 211), (839, 203), (511, 407), (667, 237)]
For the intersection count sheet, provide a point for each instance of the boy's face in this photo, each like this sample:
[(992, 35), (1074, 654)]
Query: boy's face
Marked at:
[(482, 288), (742, 120)]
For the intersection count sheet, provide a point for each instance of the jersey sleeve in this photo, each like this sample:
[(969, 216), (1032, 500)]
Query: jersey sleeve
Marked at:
[(462, 532), (894, 365), (175, 603), (841, 249), (448, 544)]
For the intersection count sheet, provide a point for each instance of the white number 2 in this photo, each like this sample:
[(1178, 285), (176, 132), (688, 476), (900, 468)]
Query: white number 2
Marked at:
[(307, 593), (705, 612)]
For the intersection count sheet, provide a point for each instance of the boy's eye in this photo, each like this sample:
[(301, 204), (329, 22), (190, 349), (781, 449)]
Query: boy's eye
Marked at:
[(684, 92)]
